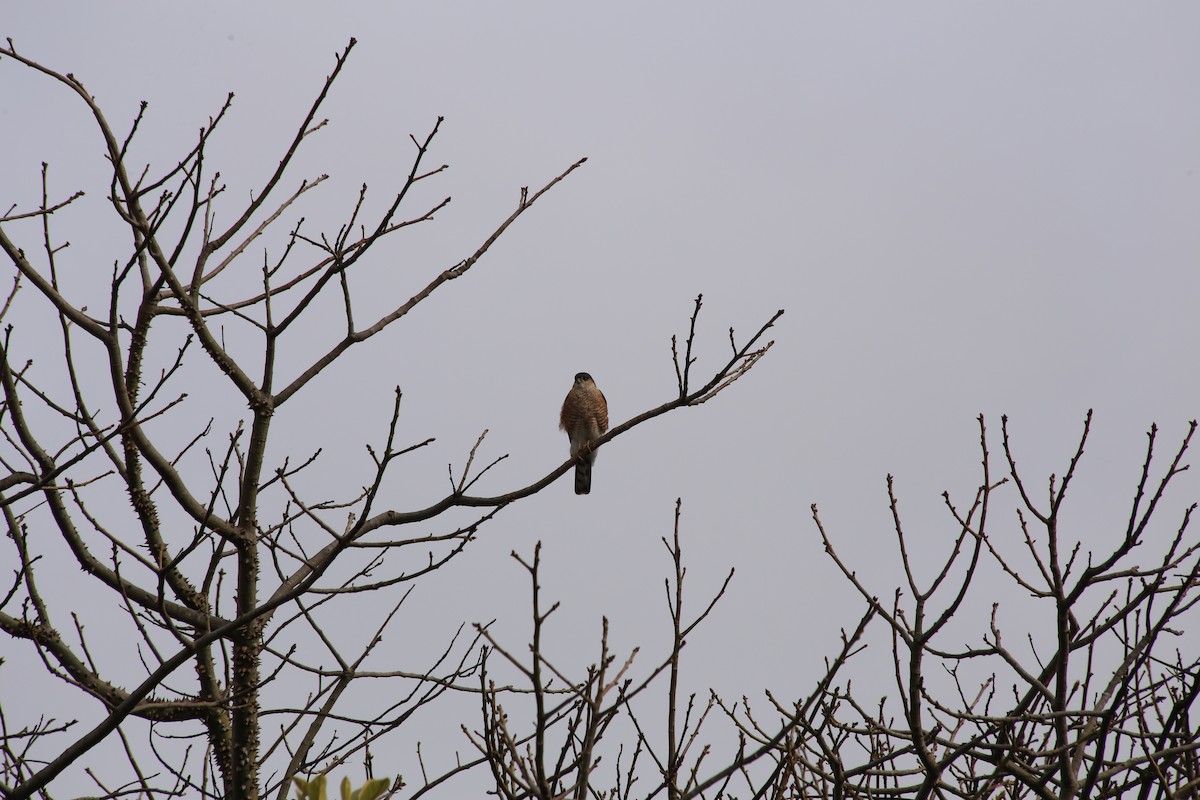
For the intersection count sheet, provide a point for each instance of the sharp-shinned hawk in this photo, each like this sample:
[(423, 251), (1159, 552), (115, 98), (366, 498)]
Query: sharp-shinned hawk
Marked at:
[(585, 419)]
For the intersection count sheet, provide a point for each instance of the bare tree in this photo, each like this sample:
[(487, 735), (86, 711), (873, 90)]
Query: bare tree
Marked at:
[(222, 561), (562, 752), (1088, 698)]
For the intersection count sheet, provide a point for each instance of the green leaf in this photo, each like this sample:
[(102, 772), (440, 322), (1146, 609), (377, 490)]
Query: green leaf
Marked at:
[(372, 789), (310, 790)]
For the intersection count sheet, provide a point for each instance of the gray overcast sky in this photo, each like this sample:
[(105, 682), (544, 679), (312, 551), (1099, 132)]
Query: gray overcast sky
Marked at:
[(964, 208)]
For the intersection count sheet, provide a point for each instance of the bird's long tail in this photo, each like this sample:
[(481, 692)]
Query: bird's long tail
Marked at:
[(583, 475)]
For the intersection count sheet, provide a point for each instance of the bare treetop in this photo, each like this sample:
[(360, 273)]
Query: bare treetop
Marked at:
[(229, 556)]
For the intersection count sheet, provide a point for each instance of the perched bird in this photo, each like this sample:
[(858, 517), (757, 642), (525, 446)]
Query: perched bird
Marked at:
[(585, 419)]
